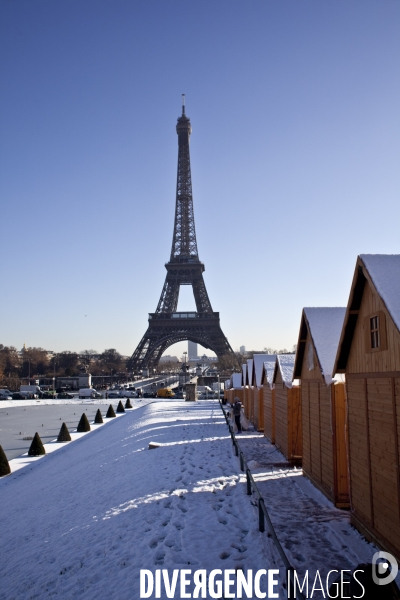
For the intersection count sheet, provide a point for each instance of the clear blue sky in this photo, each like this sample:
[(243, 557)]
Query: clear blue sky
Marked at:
[(295, 157)]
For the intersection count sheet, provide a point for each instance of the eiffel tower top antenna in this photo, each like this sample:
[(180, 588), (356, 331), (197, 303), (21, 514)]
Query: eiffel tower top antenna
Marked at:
[(183, 104)]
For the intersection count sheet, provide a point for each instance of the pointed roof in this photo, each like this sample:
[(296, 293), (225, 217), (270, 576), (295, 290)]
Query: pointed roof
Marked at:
[(383, 272), (244, 373), (236, 380), (258, 363), (268, 369), (325, 326), (249, 377), (285, 364)]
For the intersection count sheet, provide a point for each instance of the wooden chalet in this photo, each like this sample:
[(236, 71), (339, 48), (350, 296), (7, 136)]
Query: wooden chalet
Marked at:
[(369, 354), (288, 434), (236, 388), (258, 391), (244, 378), (269, 397), (323, 402), (248, 394)]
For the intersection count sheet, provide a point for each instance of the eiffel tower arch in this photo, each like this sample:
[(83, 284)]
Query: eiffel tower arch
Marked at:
[(166, 325)]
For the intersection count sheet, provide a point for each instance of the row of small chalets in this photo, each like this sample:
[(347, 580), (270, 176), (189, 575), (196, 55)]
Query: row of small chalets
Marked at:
[(334, 406)]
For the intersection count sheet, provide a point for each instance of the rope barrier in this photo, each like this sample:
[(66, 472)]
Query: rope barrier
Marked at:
[(263, 514)]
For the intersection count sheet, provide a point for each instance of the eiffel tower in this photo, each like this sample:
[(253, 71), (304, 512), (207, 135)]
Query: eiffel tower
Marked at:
[(166, 325)]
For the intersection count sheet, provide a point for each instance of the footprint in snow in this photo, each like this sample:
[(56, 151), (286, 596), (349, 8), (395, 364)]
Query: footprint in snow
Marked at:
[(159, 557), (154, 541), (241, 548)]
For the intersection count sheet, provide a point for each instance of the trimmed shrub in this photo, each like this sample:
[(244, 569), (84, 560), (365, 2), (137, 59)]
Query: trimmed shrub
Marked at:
[(4, 466), (64, 436), (120, 407), (110, 413), (98, 418), (83, 424), (37, 448), (128, 403)]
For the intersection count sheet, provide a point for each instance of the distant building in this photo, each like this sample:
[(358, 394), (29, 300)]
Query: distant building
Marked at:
[(168, 358), (242, 350), (192, 350)]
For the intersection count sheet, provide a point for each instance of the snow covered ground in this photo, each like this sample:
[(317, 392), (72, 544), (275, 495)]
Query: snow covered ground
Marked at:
[(314, 534), (83, 521)]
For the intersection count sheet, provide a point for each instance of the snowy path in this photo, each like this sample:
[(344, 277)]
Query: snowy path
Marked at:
[(82, 522), (314, 534)]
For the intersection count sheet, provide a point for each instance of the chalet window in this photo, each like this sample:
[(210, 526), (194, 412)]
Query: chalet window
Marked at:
[(375, 332)]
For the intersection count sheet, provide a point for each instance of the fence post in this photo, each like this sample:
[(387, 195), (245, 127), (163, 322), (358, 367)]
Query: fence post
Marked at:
[(241, 461), (261, 523), (248, 482)]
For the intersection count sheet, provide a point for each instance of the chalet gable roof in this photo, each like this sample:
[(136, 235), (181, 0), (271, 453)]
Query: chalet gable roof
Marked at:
[(383, 271), (244, 373), (249, 376), (268, 369), (325, 326), (285, 364), (258, 362), (236, 380)]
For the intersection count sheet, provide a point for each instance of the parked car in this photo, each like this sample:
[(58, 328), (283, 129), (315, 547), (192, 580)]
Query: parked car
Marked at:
[(180, 395), (49, 395), (89, 394), (149, 395), (26, 395), (165, 393), (113, 395), (18, 396), (65, 396), (4, 396)]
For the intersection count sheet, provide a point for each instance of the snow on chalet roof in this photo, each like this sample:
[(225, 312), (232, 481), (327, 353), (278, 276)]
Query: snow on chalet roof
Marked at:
[(286, 367), (258, 366), (236, 380), (249, 370), (325, 329), (384, 270), (269, 367)]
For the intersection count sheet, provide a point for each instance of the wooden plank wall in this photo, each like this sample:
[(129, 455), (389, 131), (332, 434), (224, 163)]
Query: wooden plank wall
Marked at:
[(374, 434), (281, 419), (288, 428), (248, 401), (260, 409), (341, 447), (251, 405), (322, 437), (258, 396), (269, 412), (255, 407)]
